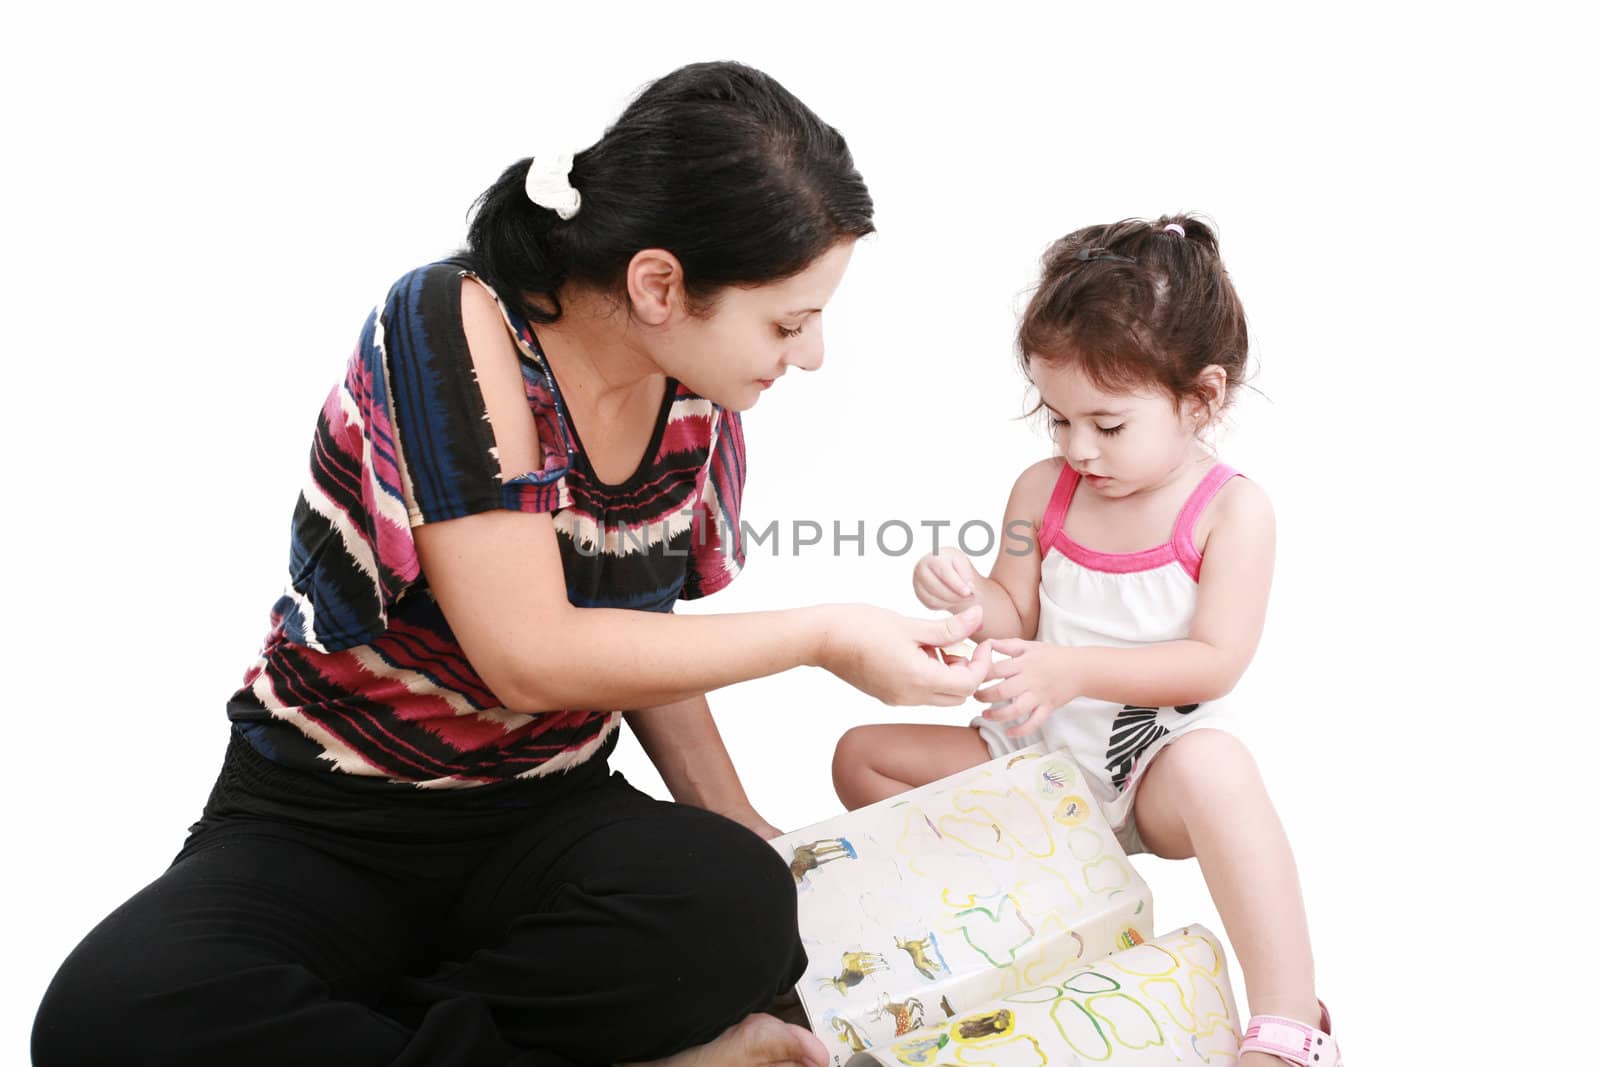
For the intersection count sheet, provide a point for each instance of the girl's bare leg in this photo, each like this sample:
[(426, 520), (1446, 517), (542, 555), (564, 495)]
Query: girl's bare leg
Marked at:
[(1204, 797), (875, 762)]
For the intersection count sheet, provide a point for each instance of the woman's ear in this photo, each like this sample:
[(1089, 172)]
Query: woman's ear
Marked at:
[(655, 285)]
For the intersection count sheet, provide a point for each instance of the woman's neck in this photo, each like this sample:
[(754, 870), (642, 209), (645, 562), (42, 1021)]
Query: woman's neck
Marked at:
[(594, 351)]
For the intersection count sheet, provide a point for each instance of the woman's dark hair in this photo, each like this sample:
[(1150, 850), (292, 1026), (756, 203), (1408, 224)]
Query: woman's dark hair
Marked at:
[(1136, 304), (716, 163)]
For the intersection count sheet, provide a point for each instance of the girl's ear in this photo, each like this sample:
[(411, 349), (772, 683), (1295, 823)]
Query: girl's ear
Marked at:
[(1213, 390), (655, 285)]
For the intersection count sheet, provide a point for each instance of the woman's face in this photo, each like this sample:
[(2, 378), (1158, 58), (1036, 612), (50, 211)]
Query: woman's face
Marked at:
[(751, 336)]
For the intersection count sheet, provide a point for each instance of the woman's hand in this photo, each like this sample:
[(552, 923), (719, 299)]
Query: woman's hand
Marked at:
[(890, 656), (945, 581), (1036, 680), (755, 824)]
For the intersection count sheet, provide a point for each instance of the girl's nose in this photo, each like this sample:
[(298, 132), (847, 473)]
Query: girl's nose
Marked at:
[(1081, 448)]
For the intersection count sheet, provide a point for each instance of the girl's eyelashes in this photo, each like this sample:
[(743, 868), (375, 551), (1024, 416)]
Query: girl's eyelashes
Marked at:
[(1057, 423), (784, 331)]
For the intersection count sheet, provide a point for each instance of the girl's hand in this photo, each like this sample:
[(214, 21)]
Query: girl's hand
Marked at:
[(1036, 680), (891, 657), (946, 581)]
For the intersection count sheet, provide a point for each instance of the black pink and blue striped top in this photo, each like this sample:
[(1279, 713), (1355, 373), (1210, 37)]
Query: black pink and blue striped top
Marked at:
[(360, 673)]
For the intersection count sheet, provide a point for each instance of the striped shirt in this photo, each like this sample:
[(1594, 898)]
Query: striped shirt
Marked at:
[(360, 673)]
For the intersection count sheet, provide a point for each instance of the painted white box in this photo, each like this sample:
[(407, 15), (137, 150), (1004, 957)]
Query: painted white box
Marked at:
[(937, 903), (1164, 1003)]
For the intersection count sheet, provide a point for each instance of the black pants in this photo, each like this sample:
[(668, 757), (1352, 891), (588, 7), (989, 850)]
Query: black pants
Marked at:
[(578, 922)]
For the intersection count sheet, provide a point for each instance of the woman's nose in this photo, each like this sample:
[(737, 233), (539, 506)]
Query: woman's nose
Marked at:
[(807, 353)]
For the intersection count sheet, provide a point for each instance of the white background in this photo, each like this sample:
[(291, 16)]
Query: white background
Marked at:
[(200, 207)]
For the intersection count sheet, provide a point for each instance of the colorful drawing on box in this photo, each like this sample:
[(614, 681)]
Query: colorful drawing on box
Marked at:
[(809, 857), (990, 1024), (848, 1035), (855, 968), (921, 1050), (907, 1014), (928, 965), (1072, 811), (968, 891), (1056, 776), (996, 933)]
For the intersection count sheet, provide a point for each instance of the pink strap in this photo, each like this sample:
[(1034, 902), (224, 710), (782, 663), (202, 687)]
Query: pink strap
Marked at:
[(1055, 512), (1292, 1041), (1183, 529)]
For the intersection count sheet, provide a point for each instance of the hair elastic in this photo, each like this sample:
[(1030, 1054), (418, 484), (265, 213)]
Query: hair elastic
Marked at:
[(549, 187), (1173, 227)]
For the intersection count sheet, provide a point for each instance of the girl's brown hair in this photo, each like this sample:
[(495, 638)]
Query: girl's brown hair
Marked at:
[(1136, 304)]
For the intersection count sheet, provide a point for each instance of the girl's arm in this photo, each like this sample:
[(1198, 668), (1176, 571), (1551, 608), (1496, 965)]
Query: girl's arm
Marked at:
[(683, 742), (1235, 578), (498, 578), (1009, 596)]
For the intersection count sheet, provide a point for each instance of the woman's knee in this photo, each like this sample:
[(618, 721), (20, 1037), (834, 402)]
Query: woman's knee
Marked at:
[(89, 1013), (741, 915)]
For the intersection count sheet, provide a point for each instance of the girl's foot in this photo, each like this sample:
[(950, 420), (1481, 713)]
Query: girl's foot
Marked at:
[(757, 1041), (1274, 1040)]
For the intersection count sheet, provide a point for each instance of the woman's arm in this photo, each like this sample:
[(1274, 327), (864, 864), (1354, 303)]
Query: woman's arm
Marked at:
[(497, 576), (683, 742), (1230, 613)]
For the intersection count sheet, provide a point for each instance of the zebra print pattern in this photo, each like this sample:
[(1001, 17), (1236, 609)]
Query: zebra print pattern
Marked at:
[(1133, 731)]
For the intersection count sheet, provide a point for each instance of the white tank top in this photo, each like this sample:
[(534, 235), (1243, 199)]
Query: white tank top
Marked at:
[(1120, 600)]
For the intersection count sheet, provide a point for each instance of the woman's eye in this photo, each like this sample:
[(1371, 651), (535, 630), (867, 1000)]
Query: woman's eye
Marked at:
[(784, 331), (1112, 431), (1058, 423)]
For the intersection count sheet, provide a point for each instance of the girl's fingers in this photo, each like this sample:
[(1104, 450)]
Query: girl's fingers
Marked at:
[(992, 694), (1003, 668), (961, 574), (1010, 646), (1031, 722)]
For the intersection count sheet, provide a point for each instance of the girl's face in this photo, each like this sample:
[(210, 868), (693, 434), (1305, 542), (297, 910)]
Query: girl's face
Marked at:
[(1122, 443), (752, 336)]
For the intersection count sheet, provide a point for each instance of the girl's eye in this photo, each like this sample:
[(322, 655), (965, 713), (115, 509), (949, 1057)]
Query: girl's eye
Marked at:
[(784, 331), (1057, 422), (1112, 431)]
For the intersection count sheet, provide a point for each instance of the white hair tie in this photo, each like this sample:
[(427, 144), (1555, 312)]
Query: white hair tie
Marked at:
[(1173, 227), (548, 185)]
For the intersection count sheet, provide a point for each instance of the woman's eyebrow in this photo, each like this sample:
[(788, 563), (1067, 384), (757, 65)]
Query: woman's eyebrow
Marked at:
[(803, 311)]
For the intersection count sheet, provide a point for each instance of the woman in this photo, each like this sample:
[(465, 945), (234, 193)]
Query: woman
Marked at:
[(414, 853)]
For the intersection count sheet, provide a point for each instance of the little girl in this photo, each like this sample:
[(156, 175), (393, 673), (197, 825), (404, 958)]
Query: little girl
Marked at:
[(1139, 602)]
